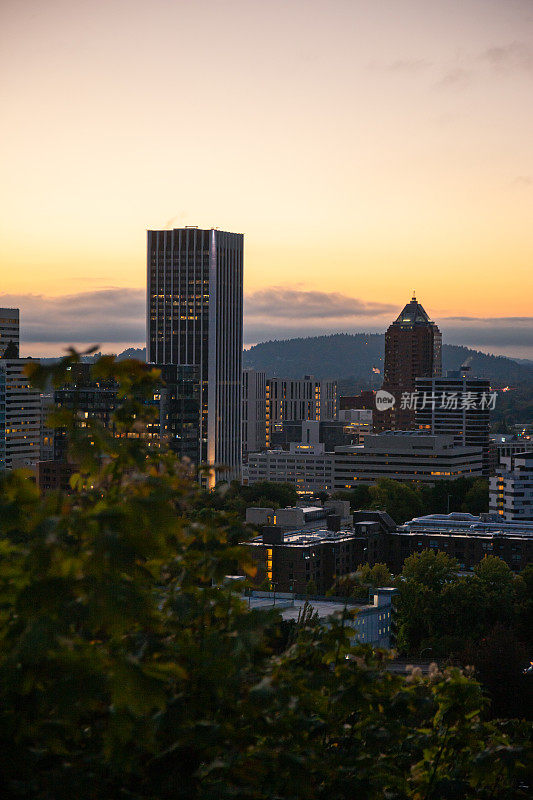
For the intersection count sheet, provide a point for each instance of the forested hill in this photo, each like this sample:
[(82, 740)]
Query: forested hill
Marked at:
[(353, 357)]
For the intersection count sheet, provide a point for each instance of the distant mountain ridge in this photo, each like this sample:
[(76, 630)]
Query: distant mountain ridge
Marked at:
[(354, 359)]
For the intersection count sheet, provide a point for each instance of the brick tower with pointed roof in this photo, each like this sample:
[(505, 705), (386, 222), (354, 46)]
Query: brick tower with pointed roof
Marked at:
[(413, 345)]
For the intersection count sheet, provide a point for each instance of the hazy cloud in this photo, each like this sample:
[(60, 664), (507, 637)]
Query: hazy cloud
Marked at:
[(486, 332), (454, 78), (512, 56), (289, 304), (118, 315), (106, 315), (409, 65)]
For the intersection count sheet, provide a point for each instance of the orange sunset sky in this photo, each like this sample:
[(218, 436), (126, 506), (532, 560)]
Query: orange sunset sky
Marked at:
[(365, 149)]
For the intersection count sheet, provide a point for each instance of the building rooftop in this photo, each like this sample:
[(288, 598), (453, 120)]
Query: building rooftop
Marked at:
[(290, 606), (459, 523), (305, 537), (413, 314)]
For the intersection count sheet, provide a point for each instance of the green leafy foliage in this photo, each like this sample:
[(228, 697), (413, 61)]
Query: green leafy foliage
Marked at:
[(236, 498), (481, 619), (357, 585), (400, 500), (406, 499), (129, 667)]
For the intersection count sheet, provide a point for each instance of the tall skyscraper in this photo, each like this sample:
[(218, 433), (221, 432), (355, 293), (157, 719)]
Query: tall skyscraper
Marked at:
[(413, 345), (194, 321)]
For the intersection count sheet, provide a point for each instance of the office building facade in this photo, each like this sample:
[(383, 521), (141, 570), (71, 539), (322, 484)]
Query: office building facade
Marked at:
[(503, 445), (91, 399), (305, 399), (400, 456), (458, 407), (253, 410), (331, 433), (194, 319), (405, 456)]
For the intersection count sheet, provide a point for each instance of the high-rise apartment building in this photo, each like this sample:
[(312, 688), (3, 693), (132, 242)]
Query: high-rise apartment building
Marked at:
[(305, 399), (20, 403), (457, 406), (253, 410), (511, 489), (20, 416), (194, 319), (9, 331), (413, 346)]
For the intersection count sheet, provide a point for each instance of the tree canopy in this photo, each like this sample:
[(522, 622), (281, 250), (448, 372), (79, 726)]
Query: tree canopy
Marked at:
[(482, 619)]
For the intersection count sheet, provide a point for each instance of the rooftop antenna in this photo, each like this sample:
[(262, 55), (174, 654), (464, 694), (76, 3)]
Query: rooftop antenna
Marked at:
[(414, 294)]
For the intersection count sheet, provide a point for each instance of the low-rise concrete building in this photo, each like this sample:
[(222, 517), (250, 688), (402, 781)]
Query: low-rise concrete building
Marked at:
[(404, 456), (399, 455), (371, 623), (466, 537), (306, 466), (348, 429), (291, 561)]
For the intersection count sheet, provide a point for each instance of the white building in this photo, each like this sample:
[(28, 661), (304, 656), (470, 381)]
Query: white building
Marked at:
[(511, 489), (405, 456), (20, 416), (505, 445), (253, 410), (306, 466), (401, 456)]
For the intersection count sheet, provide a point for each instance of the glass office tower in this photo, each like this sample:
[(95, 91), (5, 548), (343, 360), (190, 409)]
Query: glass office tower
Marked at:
[(194, 320)]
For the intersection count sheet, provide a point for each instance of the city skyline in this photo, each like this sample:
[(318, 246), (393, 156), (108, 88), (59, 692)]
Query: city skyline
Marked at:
[(364, 151)]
